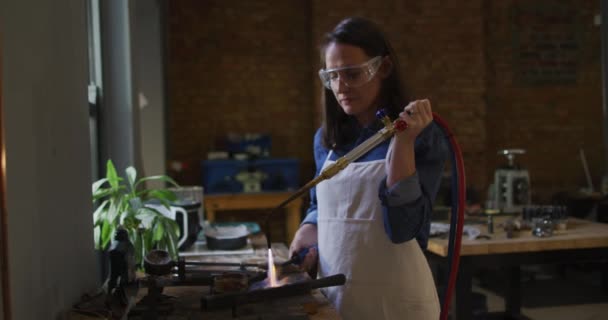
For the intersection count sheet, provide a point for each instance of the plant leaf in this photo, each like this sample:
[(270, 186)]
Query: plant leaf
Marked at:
[(137, 246), (97, 215), (160, 244), (131, 223), (122, 204), (144, 248), (159, 229), (96, 237), (160, 178), (173, 228), (172, 239), (97, 184), (127, 215), (165, 203), (132, 176), (115, 208), (146, 214), (148, 242), (101, 193), (107, 231), (111, 175), (136, 203), (163, 195)]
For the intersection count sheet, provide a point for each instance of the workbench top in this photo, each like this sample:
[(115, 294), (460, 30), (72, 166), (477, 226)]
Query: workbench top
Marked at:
[(580, 234), (187, 301), (187, 307)]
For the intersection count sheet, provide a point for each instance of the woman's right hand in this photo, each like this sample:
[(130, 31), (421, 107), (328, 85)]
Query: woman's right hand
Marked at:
[(305, 237)]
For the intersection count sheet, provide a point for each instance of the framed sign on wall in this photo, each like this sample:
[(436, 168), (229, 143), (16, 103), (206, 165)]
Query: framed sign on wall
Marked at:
[(546, 43)]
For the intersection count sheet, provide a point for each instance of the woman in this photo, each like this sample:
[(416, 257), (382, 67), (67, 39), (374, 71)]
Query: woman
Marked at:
[(365, 218)]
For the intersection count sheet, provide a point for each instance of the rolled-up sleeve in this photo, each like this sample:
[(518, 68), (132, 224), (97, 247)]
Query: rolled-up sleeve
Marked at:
[(311, 216), (407, 206), (403, 192)]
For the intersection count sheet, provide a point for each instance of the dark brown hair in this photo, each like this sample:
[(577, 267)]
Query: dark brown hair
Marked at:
[(338, 127)]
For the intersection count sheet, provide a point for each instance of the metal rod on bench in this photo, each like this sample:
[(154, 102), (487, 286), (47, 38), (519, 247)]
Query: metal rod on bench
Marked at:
[(229, 300)]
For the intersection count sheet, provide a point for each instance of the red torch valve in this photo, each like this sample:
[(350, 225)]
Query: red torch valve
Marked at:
[(400, 125)]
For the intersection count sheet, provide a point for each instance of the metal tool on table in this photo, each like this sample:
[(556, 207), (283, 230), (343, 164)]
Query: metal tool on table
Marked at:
[(231, 300), (163, 272), (229, 287), (159, 264), (544, 220)]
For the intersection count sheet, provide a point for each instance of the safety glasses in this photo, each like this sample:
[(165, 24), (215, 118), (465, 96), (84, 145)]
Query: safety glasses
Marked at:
[(351, 76)]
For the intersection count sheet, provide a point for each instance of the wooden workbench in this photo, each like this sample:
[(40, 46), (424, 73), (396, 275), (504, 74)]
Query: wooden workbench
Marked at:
[(215, 203), (582, 241), (580, 234)]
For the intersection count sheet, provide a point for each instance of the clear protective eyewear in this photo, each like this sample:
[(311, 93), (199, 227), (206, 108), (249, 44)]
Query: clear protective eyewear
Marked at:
[(351, 76)]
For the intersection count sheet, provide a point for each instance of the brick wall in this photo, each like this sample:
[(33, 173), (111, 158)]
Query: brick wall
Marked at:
[(250, 66), (238, 66), (440, 49), (551, 120)]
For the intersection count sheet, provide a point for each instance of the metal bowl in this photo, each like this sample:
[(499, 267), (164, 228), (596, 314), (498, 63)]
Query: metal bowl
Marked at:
[(214, 243), (158, 263), (226, 238)]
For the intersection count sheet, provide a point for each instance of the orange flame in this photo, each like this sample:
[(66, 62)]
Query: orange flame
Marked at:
[(272, 271)]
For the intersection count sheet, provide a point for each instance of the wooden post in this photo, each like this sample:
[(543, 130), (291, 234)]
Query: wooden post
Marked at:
[(5, 306)]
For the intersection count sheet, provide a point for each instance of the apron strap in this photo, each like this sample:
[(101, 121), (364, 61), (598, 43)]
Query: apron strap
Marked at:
[(331, 151)]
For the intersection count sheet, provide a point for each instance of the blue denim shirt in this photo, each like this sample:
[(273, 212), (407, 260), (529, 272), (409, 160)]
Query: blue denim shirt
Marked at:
[(407, 205)]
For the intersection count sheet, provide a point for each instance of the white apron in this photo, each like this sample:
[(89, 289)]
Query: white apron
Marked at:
[(384, 280)]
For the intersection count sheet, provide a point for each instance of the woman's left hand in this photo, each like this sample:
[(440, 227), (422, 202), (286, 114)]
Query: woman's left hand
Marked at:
[(418, 115)]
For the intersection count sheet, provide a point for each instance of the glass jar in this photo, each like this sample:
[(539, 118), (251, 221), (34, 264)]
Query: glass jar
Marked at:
[(543, 228)]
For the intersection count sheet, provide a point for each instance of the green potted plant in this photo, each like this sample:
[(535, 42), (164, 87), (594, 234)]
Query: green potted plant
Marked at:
[(121, 204)]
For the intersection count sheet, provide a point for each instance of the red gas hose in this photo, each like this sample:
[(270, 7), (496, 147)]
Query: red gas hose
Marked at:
[(453, 272), (458, 215)]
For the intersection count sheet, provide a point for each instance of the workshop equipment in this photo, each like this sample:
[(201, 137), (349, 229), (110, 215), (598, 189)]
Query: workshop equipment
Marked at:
[(510, 191), (231, 284), (122, 267), (250, 175), (162, 272), (543, 220), (190, 198), (225, 237), (159, 263)]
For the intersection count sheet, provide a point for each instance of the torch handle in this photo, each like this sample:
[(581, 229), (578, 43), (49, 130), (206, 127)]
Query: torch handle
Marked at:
[(331, 281)]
